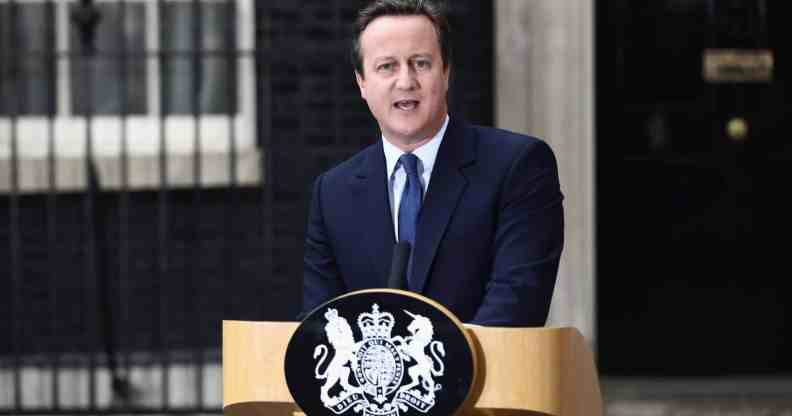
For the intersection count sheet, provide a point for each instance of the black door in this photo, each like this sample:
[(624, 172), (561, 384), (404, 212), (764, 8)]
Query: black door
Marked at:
[(693, 209)]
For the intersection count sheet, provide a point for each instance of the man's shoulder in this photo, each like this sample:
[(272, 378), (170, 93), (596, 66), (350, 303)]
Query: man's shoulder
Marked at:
[(505, 144), (356, 164), (503, 139)]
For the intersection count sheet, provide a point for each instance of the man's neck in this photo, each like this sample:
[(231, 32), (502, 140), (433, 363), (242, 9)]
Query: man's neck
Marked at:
[(408, 146)]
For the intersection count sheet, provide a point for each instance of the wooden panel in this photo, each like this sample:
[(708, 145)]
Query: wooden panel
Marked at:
[(253, 355), (522, 370)]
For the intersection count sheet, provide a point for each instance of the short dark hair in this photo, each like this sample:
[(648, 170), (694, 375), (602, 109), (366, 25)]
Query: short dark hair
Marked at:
[(434, 10)]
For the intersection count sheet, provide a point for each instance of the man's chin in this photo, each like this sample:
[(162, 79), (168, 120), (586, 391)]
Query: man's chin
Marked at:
[(405, 134), (411, 138)]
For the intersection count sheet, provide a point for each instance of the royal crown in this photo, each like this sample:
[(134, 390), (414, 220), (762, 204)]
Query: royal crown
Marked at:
[(376, 324)]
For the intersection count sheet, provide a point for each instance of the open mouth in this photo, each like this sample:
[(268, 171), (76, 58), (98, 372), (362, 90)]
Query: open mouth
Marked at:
[(406, 105)]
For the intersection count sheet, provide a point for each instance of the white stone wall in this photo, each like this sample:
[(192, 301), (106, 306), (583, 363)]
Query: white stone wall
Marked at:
[(545, 87)]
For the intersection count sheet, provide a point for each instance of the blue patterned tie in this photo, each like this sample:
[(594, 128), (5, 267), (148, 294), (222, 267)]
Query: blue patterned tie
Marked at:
[(409, 207)]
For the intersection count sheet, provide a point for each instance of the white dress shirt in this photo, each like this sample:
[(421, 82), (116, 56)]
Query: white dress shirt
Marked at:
[(426, 153)]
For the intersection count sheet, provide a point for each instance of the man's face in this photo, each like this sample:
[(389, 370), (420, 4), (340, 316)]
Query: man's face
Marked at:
[(404, 80)]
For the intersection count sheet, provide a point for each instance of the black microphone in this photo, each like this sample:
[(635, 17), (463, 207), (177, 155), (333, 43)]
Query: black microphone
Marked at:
[(401, 256)]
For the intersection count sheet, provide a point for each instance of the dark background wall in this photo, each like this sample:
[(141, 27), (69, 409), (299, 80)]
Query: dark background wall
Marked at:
[(153, 270), (693, 265)]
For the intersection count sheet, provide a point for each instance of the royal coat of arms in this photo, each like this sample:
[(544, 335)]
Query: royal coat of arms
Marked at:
[(368, 376)]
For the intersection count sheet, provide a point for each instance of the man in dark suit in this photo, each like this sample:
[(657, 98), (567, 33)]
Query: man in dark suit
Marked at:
[(480, 207)]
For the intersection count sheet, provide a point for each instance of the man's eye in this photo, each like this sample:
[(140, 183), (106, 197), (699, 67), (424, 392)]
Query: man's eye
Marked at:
[(423, 64), (385, 67)]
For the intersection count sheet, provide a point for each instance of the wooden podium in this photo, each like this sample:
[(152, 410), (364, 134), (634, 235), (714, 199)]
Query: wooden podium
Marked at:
[(521, 371)]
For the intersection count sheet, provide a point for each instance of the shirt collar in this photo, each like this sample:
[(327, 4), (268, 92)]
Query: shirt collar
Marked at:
[(426, 153)]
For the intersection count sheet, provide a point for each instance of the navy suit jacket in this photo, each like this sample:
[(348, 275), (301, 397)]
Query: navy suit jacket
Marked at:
[(489, 234)]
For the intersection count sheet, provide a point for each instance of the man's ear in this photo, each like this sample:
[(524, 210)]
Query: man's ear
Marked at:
[(361, 83)]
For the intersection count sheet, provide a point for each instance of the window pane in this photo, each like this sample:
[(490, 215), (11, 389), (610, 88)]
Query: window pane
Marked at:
[(211, 66), (26, 41), (182, 20), (120, 35), (216, 83), (120, 24), (107, 87)]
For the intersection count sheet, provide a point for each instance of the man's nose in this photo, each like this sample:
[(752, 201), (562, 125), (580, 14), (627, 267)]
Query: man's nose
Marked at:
[(406, 79)]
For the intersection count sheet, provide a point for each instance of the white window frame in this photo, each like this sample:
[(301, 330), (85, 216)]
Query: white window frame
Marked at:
[(143, 141)]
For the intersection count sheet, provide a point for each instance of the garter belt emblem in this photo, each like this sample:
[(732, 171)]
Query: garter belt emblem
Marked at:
[(367, 376)]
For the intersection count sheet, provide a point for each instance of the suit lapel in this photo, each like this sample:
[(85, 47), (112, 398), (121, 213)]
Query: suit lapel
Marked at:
[(446, 187), (375, 219)]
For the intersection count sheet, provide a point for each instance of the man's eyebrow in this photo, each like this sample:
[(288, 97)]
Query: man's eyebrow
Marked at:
[(391, 57), (383, 58)]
